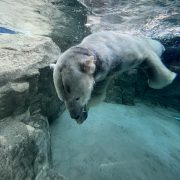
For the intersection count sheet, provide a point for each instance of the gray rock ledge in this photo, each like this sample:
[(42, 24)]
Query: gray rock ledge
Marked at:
[(27, 100)]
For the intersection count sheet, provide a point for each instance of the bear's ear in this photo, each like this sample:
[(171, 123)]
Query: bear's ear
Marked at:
[(88, 65), (52, 66)]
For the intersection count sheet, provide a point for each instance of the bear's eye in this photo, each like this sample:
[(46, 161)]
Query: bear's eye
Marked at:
[(77, 98), (68, 89)]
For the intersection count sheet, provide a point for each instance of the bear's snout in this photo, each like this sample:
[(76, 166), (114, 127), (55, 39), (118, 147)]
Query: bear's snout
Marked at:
[(82, 118), (80, 115), (75, 114)]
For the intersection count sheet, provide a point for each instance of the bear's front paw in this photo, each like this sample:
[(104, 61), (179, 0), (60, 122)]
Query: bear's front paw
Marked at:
[(52, 66)]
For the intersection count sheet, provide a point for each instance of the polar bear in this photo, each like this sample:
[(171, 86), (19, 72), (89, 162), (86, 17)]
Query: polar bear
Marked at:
[(82, 73)]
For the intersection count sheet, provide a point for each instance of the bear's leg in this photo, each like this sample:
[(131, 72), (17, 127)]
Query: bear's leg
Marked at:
[(158, 75), (99, 92)]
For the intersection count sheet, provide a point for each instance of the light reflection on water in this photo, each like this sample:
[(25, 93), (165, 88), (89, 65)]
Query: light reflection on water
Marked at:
[(151, 17)]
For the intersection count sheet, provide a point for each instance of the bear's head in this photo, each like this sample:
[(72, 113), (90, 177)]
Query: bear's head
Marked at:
[(73, 80)]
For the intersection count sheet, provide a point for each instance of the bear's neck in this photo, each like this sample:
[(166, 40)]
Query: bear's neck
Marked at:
[(102, 67), (101, 70)]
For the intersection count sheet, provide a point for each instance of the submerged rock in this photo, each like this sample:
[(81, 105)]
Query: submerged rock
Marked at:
[(117, 142), (27, 100), (68, 23)]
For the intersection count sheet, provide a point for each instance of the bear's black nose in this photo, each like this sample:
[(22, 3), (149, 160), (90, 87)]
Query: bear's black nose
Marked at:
[(85, 114), (82, 118), (74, 116), (74, 113), (77, 117)]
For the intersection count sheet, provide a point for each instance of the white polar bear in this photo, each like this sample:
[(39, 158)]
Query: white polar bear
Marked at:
[(82, 73)]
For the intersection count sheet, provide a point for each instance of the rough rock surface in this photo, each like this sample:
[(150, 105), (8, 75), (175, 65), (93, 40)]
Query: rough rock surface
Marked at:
[(27, 96), (117, 142), (27, 101), (34, 19), (63, 20), (155, 19)]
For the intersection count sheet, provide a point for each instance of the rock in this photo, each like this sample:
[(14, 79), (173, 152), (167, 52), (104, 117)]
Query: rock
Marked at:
[(117, 142), (36, 18), (25, 64), (27, 96), (68, 23), (122, 89), (167, 97), (61, 20), (49, 174), (19, 151), (27, 100)]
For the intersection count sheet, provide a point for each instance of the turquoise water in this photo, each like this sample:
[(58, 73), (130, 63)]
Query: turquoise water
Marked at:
[(118, 142)]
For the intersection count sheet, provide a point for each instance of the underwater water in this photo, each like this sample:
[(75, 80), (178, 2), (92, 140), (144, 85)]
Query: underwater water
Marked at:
[(118, 142), (153, 18)]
